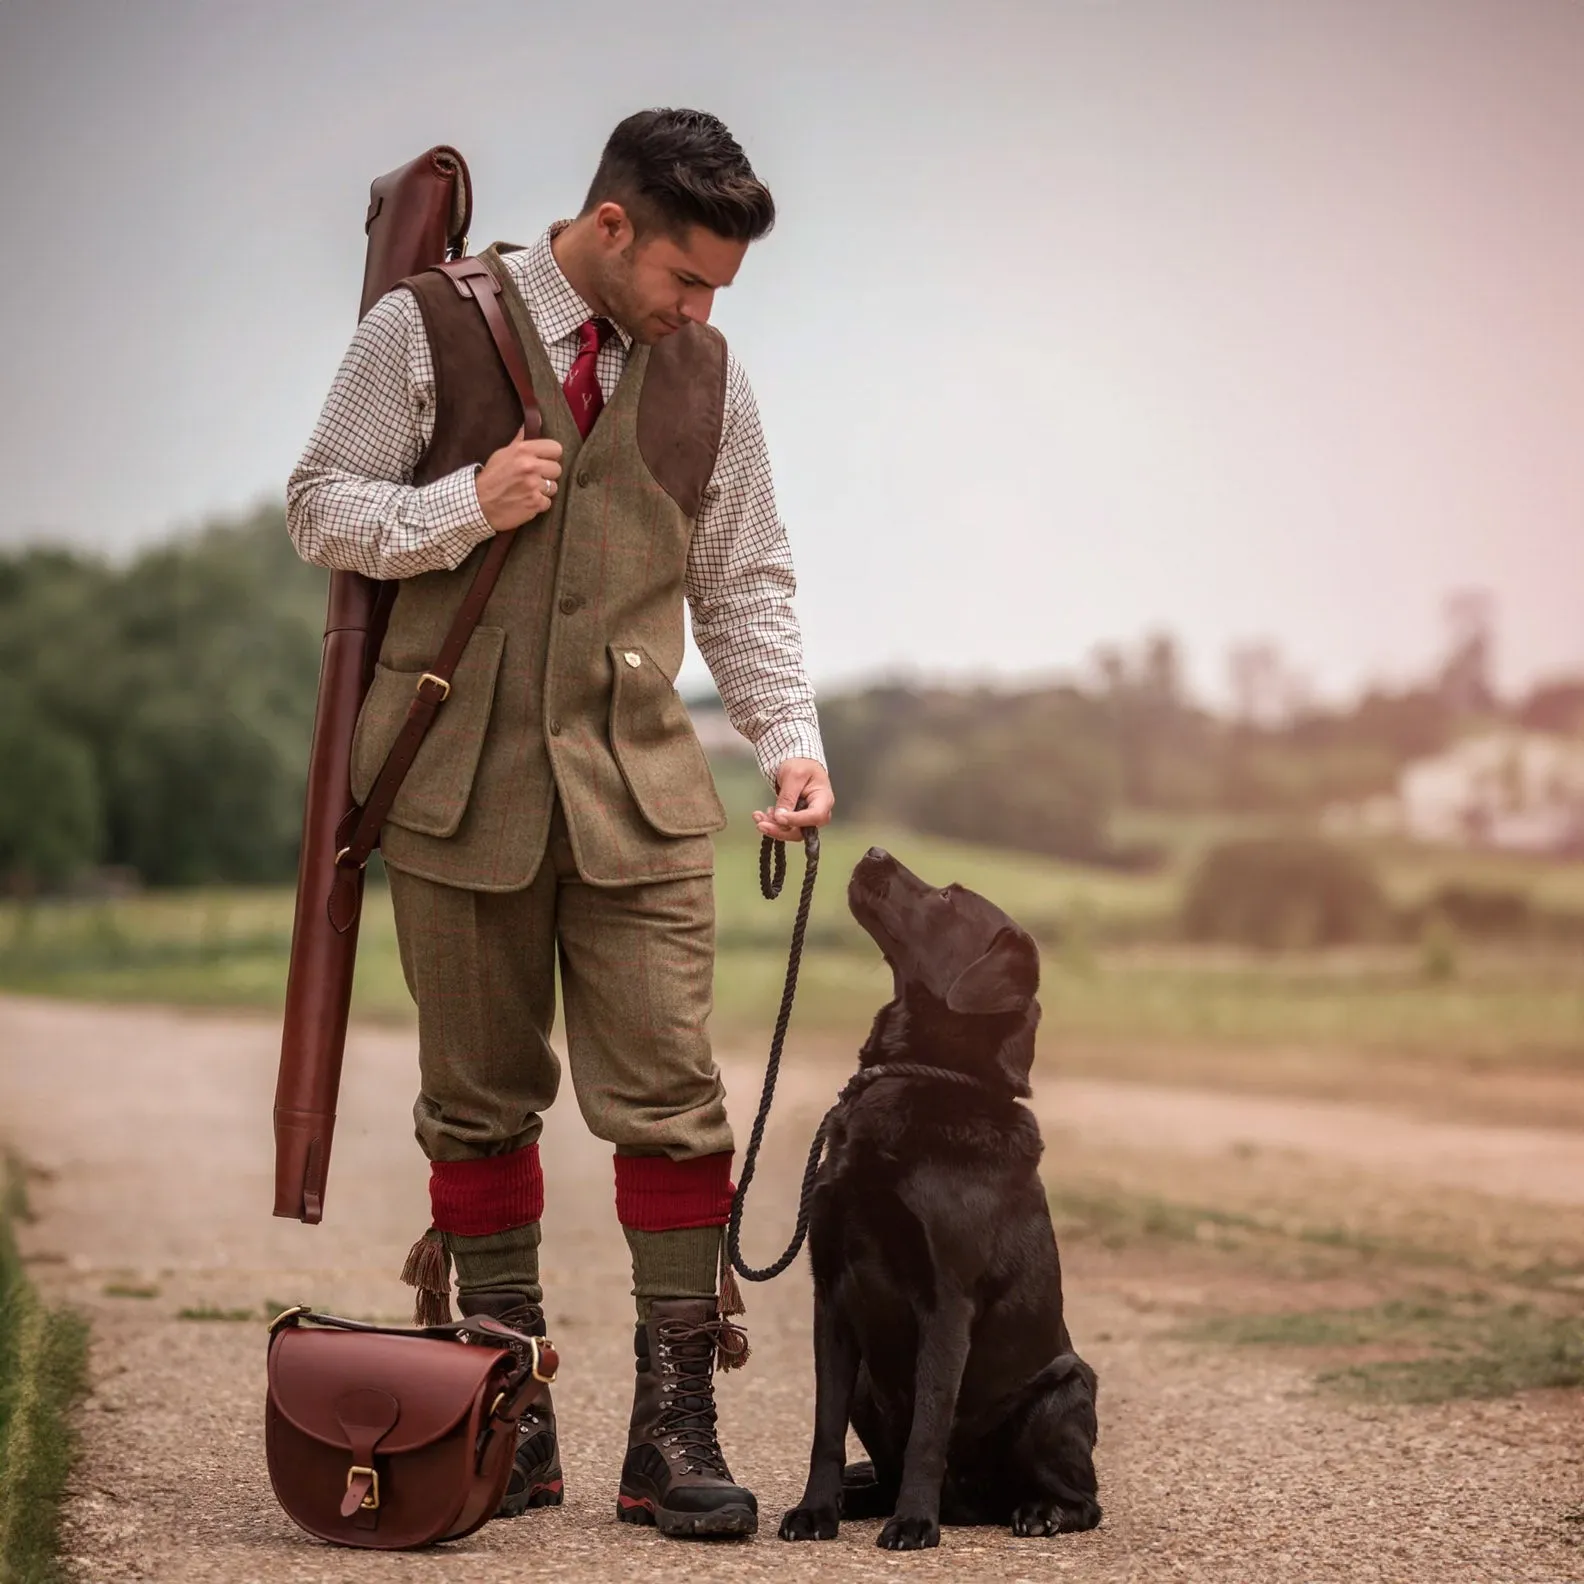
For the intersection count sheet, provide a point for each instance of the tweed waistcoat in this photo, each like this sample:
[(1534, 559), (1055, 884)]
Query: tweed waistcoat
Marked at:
[(567, 684)]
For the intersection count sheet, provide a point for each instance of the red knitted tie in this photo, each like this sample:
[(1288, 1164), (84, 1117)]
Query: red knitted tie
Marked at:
[(582, 385)]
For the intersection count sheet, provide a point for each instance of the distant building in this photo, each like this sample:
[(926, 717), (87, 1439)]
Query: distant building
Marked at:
[(1516, 790)]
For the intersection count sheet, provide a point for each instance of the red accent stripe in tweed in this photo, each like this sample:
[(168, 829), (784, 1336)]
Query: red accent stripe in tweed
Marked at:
[(654, 1194), (494, 1194)]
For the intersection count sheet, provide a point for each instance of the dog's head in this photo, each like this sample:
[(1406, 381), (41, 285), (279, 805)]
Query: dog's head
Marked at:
[(966, 974)]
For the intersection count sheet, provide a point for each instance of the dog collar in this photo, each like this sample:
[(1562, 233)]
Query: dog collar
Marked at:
[(865, 1076)]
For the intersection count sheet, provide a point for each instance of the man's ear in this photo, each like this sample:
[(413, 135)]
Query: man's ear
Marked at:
[(1003, 980)]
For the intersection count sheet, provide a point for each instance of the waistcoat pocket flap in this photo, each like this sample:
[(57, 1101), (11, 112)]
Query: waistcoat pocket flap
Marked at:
[(434, 796), (657, 749)]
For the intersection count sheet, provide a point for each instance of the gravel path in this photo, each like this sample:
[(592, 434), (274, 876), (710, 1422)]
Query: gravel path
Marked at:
[(153, 1129)]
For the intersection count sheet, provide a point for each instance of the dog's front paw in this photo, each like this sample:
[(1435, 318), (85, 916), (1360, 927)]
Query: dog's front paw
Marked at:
[(1052, 1517), (810, 1523), (909, 1534)]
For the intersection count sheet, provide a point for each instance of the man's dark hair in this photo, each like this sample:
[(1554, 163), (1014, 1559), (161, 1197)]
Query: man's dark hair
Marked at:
[(674, 169)]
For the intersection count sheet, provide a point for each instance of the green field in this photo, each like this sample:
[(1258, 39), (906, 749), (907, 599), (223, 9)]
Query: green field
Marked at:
[(1113, 973)]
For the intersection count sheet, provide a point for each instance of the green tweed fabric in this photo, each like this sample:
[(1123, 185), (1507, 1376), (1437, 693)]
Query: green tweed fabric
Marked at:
[(681, 1264), (636, 968), (496, 1260), (567, 683)]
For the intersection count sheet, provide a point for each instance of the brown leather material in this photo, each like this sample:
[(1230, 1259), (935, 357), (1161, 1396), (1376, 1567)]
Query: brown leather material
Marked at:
[(476, 408), (473, 278), (365, 1416), (418, 215), (683, 412), (391, 1439), (319, 978)]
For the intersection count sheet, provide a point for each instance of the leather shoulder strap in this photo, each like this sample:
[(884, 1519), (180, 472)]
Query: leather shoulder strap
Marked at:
[(481, 1329), (473, 278), (360, 830)]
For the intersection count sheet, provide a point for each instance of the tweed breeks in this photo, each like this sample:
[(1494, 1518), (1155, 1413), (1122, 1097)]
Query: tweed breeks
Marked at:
[(636, 966)]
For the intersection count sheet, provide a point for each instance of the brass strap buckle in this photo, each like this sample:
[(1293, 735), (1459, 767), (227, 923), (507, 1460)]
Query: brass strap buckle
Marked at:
[(439, 682), (372, 1500), (545, 1380)]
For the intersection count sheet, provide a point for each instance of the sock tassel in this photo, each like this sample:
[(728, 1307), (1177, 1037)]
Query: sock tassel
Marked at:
[(428, 1269), (731, 1346)]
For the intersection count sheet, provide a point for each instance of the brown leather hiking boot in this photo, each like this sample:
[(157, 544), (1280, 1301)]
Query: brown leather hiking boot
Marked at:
[(675, 1475), (536, 1469)]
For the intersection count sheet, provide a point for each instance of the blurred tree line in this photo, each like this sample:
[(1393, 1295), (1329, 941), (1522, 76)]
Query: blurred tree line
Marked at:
[(156, 714), (1046, 769)]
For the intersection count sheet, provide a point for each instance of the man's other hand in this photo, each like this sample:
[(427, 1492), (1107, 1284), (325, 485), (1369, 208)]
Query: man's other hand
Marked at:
[(518, 482), (797, 778)]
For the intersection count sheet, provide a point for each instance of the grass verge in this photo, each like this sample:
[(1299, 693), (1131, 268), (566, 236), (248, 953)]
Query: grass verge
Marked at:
[(1471, 1346), (43, 1370), (1453, 1322)]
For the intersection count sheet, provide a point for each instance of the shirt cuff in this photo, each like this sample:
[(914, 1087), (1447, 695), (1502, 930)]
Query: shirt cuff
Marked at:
[(452, 506), (788, 739)]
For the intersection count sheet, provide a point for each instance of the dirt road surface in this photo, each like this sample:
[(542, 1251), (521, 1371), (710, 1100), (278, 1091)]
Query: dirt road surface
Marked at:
[(151, 1130)]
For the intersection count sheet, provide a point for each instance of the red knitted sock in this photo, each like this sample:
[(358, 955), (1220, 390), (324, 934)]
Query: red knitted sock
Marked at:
[(494, 1193), (654, 1194)]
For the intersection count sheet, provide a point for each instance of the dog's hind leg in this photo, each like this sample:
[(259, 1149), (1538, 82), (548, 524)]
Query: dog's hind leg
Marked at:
[(869, 1488), (818, 1515), (1050, 1460), (865, 1494)]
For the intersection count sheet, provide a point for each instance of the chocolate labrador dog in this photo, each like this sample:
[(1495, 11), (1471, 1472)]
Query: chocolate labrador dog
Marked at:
[(938, 1329)]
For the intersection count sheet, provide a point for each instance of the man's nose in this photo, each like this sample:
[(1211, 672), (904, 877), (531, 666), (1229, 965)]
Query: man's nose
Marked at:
[(696, 310)]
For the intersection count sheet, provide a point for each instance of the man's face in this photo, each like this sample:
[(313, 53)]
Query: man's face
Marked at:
[(655, 284)]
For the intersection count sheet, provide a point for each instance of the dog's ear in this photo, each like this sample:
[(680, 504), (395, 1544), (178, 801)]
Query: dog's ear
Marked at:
[(1003, 980), (1015, 1059)]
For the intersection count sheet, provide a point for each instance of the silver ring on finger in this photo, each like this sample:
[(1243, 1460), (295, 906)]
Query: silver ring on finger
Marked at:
[(549, 486)]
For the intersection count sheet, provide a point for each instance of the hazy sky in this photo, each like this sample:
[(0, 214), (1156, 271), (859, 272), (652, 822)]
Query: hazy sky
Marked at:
[(1250, 318)]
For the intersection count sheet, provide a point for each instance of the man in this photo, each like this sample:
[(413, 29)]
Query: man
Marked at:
[(560, 811)]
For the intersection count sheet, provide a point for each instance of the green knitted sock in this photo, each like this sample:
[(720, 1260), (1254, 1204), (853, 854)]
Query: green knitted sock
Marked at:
[(682, 1264), (498, 1259)]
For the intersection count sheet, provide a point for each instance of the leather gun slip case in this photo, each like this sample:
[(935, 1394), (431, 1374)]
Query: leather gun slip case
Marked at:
[(417, 217)]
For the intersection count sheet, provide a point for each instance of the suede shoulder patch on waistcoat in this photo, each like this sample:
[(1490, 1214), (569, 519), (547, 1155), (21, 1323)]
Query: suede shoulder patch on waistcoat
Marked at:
[(682, 411)]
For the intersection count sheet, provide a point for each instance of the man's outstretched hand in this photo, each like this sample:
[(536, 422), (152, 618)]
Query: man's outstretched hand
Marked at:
[(797, 778)]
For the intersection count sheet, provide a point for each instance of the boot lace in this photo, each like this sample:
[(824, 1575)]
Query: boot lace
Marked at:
[(687, 1397)]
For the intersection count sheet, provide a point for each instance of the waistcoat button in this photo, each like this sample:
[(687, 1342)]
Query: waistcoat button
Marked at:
[(583, 479), (555, 728), (569, 603)]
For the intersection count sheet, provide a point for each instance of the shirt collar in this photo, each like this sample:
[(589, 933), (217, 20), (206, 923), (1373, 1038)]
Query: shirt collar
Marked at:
[(558, 309)]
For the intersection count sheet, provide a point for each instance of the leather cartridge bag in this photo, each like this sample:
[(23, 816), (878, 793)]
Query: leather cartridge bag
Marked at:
[(390, 1439)]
